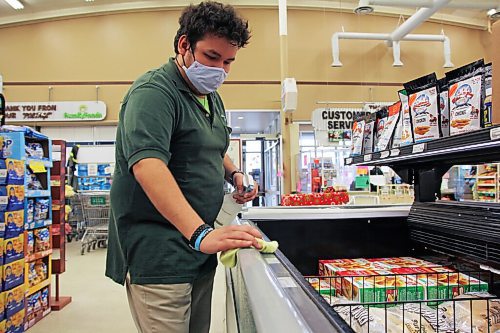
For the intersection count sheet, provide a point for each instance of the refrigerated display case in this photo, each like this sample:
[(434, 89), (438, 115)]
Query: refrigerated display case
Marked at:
[(272, 293)]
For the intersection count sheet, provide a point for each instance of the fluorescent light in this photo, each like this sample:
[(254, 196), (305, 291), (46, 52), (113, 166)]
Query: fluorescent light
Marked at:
[(241, 118), (89, 0), (16, 4), (237, 127)]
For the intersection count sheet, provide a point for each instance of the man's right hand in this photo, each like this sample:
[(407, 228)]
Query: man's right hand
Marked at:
[(230, 237)]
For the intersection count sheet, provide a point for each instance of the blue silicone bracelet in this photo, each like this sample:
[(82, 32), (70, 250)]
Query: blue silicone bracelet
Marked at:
[(200, 238)]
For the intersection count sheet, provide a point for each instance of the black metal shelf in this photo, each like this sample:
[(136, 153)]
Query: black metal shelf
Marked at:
[(424, 164), (476, 147)]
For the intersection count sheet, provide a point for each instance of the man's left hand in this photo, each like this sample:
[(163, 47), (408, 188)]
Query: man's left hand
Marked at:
[(240, 195)]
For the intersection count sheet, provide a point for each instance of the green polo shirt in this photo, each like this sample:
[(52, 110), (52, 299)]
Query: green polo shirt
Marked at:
[(161, 118)]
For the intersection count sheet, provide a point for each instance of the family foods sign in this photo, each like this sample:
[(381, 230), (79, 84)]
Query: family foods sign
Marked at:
[(55, 111)]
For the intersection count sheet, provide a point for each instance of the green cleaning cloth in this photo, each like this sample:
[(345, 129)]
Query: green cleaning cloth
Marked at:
[(228, 258)]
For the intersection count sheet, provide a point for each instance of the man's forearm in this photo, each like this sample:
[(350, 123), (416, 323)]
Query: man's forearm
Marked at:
[(161, 188), (229, 166)]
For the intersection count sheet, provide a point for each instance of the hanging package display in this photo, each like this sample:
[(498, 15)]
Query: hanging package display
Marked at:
[(444, 107), (465, 91), (424, 110), (405, 119), (387, 129)]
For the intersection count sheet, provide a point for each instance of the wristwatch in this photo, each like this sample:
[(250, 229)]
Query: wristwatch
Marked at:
[(231, 178)]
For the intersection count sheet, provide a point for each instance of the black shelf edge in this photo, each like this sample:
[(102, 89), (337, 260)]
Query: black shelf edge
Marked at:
[(482, 146)]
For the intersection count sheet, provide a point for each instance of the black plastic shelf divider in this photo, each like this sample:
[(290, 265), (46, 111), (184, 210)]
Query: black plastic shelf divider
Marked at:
[(476, 147)]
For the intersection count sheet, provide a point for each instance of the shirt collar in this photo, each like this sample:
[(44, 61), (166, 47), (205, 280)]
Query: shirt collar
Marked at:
[(175, 75)]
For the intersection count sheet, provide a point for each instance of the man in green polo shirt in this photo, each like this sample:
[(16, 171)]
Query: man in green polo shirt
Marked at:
[(171, 164)]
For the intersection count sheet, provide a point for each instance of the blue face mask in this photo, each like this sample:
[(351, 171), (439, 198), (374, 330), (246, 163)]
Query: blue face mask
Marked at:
[(205, 79)]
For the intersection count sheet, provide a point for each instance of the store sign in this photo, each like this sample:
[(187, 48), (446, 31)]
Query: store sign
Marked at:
[(55, 111), (335, 119)]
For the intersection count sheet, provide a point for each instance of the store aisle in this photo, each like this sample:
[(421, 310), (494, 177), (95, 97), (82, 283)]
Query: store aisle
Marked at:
[(100, 305)]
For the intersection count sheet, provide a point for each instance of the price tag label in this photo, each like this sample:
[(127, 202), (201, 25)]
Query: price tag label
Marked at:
[(348, 160), (495, 133), (37, 167), (287, 282), (384, 154), (395, 152), (418, 148), (55, 183), (367, 158)]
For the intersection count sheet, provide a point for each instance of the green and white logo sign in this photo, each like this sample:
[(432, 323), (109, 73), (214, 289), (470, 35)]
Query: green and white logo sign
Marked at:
[(55, 111)]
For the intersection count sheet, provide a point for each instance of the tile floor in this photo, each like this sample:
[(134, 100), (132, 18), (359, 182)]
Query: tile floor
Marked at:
[(100, 305)]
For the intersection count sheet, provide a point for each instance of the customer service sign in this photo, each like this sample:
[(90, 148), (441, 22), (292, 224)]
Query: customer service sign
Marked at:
[(55, 111)]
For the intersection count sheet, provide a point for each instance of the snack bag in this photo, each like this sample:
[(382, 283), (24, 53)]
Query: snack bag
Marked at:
[(424, 110), (444, 107), (465, 90), (32, 276), (13, 249), (358, 128), (406, 129), (41, 209), (381, 116), (45, 298), (33, 181), (488, 91), (391, 121), (30, 244), (42, 239), (369, 133), (34, 150), (30, 210)]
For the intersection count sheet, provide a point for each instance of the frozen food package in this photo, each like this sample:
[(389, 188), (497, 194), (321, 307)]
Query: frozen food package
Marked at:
[(424, 110), (406, 131), (369, 133), (473, 315), (444, 107), (358, 128), (488, 93), (391, 121), (362, 319), (465, 91)]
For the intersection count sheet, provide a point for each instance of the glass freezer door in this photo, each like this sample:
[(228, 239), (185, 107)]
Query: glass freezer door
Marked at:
[(272, 179)]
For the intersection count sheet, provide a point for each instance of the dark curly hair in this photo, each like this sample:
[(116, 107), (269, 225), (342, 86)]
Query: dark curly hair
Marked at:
[(214, 18)]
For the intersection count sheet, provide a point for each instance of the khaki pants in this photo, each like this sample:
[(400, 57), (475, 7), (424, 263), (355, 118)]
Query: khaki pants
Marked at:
[(172, 308)]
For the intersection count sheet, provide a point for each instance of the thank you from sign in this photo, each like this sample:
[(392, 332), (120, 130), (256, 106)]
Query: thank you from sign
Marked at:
[(55, 111)]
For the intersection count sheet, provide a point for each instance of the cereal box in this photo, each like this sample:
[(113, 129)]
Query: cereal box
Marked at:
[(13, 274), (15, 323), (14, 300), (322, 286), (15, 197), (2, 326), (14, 223), (13, 249), (15, 172), (2, 306)]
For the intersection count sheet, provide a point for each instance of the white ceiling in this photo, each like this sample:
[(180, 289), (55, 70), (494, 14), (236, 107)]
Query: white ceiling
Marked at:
[(49, 9)]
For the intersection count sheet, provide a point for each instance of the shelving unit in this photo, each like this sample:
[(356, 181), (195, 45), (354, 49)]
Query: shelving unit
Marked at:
[(58, 182), (37, 217)]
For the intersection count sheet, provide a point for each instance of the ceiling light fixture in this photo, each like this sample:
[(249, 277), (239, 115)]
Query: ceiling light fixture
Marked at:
[(16, 4), (494, 13), (363, 8), (89, 0)]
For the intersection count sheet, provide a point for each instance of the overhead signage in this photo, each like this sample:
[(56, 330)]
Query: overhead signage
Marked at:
[(326, 119), (55, 111)]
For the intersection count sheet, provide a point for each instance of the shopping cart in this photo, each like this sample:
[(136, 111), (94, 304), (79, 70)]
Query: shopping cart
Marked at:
[(75, 218), (95, 208)]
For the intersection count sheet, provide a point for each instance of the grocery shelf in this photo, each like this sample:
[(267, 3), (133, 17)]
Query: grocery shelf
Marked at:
[(480, 146), (39, 286), (487, 184), (38, 255), (486, 177), (37, 193)]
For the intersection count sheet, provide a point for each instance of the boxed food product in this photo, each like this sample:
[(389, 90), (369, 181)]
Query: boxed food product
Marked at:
[(488, 91), (15, 197), (2, 306), (13, 274), (34, 303), (444, 107), (30, 211), (388, 128), (13, 249), (381, 289), (45, 299), (2, 326), (15, 323), (323, 286), (369, 133), (42, 239), (15, 172), (14, 223), (465, 91), (424, 110), (406, 129), (358, 128), (41, 209), (14, 300), (470, 284)]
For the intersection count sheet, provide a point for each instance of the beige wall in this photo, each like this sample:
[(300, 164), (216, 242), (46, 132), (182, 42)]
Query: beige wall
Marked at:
[(120, 47)]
